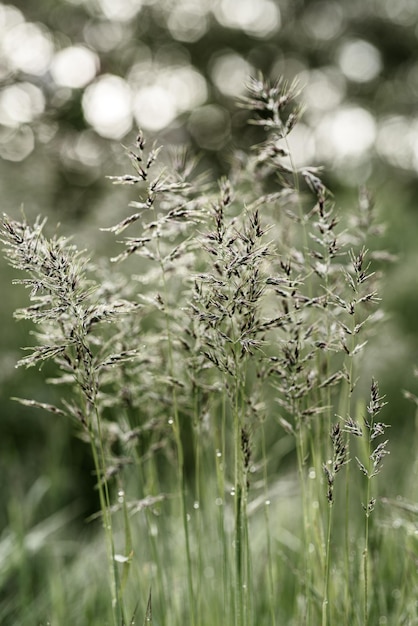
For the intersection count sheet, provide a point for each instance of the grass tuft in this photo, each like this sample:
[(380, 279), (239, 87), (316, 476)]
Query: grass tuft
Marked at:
[(212, 367)]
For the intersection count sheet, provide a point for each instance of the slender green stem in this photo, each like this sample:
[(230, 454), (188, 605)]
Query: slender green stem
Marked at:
[(347, 611), (305, 581), (240, 488), (96, 444), (197, 507), (239, 600), (220, 475), (366, 576), (180, 456), (325, 601), (268, 535), (366, 552)]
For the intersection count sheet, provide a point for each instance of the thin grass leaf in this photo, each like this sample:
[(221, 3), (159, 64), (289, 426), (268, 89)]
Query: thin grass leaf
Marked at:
[(148, 613), (128, 542)]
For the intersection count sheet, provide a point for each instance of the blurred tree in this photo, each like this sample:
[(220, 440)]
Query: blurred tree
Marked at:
[(76, 75)]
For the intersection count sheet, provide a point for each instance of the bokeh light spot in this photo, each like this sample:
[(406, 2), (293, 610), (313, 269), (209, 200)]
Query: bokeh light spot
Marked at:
[(104, 36), (230, 72), (210, 125), (347, 133), (172, 92), (323, 20), (120, 10), (301, 143), (16, 144), (188, 21), (82, 152), (87, 149), (413, 140), (74, 67), (20, 103), (107, 106), (187, 86), (359, 60), (154, 107), (393, 140), (259, 18), (323, 89), (28, 48), (9, 16), (403, 12)]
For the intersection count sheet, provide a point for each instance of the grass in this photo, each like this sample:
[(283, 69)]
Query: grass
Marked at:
[(212, 369)]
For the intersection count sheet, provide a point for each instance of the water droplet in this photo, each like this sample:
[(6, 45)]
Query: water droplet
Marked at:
[(267, 503), (219, 502), (312, 474), (171, 421), (232, 492), (153, 530), (196, 505), (218, 454)]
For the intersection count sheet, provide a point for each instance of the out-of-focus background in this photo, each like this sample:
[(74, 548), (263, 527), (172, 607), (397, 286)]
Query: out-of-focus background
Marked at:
[(79, 77)]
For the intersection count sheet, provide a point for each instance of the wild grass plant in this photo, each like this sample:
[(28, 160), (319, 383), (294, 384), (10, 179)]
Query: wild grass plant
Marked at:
[(212, 369)]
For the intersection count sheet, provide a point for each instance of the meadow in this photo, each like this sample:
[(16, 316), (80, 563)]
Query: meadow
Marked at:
[(239, 460)]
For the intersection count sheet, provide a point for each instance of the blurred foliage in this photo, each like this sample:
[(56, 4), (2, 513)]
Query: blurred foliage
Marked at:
[(175, 68), (79, 74)]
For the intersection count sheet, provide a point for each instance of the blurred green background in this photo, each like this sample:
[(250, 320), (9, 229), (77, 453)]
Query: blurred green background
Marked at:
[(78, 77)]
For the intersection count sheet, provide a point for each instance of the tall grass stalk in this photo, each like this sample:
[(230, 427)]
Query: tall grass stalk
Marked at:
[(180, 454)]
